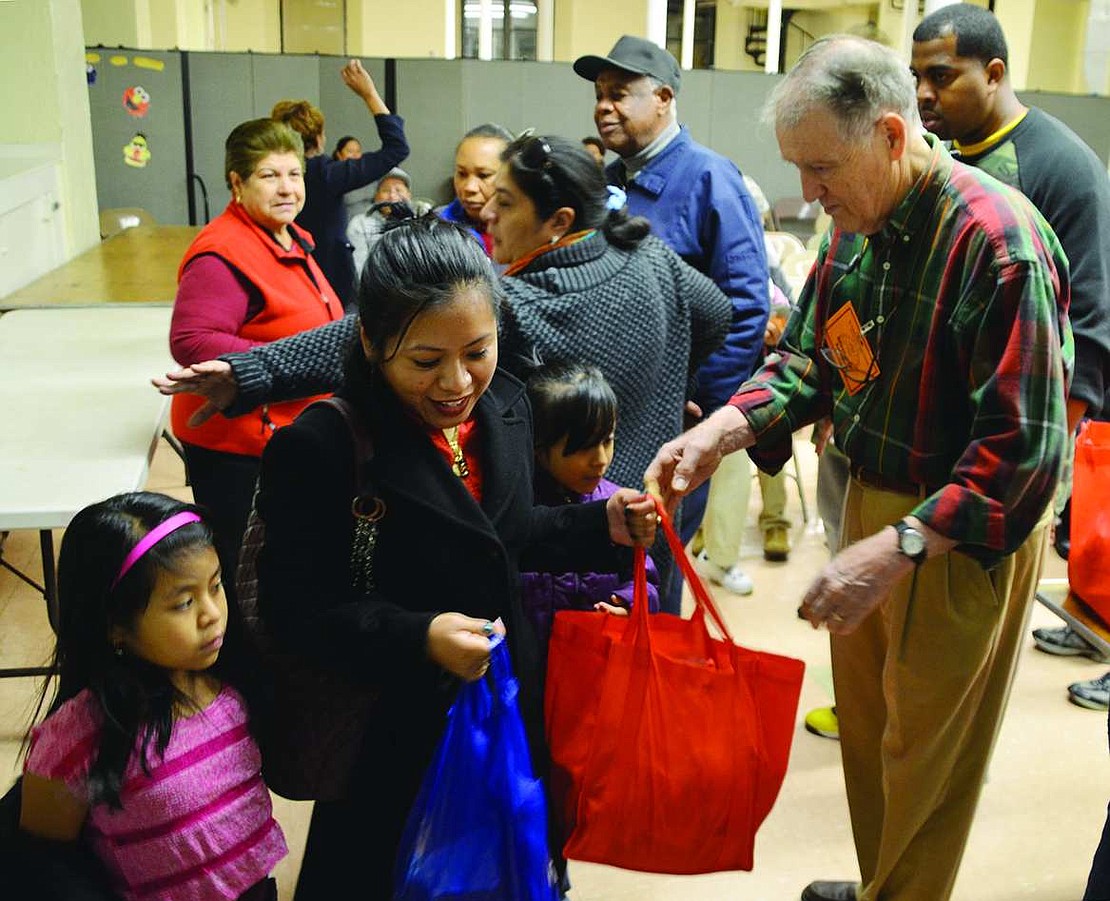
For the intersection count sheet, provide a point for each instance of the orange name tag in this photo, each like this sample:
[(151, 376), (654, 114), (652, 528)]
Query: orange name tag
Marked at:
[(849, 350)]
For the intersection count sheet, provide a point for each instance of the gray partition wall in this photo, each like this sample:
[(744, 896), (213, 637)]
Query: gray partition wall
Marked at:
[(228, 88), (1088, 117), (135, 103), (221, 97), (439, 100), (442, 99)]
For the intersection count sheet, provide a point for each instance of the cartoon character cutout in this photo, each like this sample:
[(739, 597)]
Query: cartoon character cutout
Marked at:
[(136, 101), (137, 152)]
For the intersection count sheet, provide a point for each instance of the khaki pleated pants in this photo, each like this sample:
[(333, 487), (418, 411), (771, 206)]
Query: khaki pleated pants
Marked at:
[(920, 691)]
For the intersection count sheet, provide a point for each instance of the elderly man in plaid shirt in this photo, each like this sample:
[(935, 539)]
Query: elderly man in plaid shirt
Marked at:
[(933, 330)]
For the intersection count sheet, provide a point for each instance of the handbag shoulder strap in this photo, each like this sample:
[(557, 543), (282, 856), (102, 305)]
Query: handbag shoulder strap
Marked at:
[(360, 437), (246, 574), (366, 507)]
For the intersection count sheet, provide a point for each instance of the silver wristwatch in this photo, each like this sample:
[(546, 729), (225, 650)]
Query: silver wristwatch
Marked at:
[(910, 542)]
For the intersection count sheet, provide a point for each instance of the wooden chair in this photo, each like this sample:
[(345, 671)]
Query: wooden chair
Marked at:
[(113, 221)]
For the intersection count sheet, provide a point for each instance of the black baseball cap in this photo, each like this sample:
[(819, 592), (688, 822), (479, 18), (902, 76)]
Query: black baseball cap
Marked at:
[(636, 55)]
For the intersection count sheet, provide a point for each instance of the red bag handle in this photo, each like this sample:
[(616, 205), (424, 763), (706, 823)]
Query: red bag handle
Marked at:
[(702, 597)]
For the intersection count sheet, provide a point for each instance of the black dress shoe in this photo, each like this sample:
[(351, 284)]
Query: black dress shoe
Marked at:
[(830, 891)]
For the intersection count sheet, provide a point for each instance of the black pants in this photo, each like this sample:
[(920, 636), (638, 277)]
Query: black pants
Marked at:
[(223, 484), (352, 844)]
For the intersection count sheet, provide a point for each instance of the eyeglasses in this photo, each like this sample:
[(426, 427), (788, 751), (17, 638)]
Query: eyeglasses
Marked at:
[(841, 362)]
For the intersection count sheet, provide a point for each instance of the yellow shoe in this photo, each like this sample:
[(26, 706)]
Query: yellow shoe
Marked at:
[(776, 543), (823, 721)]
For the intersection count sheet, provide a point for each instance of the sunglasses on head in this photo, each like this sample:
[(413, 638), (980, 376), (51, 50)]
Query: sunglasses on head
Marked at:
[(532, 150)]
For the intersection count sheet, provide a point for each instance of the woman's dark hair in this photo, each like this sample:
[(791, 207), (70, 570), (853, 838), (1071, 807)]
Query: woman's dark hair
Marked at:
[(592, 141), (555, 172), (135, 697), (572, 400), (417, 265), (487, 130), (340, 144)]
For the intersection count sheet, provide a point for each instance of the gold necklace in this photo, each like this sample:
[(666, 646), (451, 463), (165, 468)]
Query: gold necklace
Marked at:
[(458, 465)]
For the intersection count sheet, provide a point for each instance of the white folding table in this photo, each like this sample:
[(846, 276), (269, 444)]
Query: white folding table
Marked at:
[(79, 420)]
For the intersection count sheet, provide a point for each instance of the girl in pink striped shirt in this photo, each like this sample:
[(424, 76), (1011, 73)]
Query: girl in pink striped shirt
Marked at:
[(146, 753)]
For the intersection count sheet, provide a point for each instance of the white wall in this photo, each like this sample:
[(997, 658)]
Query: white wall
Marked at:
[(46, 108)]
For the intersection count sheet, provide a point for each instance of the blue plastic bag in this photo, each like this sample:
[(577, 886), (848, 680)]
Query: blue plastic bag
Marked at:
[(478, 828)]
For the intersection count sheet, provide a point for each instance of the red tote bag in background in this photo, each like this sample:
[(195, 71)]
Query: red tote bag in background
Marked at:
[(669, 746), (1089, 555)]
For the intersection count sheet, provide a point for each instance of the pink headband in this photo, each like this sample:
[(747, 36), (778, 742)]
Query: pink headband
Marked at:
[(151, 538)]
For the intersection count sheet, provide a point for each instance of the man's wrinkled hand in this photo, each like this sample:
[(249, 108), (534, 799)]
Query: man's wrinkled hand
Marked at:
[(691, 458)]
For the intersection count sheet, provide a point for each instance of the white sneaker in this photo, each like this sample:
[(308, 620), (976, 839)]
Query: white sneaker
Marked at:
[(736, 581), (732, 579)]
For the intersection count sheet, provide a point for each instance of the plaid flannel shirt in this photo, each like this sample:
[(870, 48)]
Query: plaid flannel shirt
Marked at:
[(966, 292)]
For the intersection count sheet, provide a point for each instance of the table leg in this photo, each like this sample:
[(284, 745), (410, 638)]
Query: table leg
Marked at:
[(49, 577), (49, 590)]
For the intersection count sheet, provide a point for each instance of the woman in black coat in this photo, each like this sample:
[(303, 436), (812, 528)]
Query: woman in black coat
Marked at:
[(452, 463)]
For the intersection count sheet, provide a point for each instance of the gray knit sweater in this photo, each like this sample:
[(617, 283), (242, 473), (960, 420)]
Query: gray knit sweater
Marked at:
[(643, 317)]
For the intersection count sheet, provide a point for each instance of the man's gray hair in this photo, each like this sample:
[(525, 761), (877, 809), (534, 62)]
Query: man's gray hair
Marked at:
[(855, 79)]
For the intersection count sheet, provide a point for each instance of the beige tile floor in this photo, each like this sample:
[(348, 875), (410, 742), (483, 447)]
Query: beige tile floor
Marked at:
[(1039, 818)]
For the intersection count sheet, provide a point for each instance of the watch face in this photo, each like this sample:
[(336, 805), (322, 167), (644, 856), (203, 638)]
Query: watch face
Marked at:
[(912, 542)]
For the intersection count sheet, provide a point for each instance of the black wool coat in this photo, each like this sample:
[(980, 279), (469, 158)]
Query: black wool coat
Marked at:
[(437, 551)]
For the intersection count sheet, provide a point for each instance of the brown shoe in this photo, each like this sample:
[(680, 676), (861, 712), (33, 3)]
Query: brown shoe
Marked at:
[(776, 543), (830, 891)]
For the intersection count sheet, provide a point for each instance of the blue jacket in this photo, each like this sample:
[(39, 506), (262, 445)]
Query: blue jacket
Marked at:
[(696, 202), (454, 212)]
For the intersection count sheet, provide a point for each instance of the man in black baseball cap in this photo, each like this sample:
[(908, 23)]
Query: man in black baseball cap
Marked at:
[(696, 202), (641, 79), (635, 55)]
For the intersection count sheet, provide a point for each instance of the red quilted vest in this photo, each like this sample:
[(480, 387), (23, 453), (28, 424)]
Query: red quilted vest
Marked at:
[(292, 302)]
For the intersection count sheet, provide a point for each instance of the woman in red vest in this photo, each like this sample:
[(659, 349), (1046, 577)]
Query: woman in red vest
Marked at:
[(248, 278)]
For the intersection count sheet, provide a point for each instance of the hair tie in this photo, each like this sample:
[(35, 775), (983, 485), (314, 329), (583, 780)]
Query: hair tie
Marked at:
[(150, 539), (617, 198)]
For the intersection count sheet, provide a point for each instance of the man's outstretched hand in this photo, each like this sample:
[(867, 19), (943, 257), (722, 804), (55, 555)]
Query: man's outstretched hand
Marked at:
[(691, 458)]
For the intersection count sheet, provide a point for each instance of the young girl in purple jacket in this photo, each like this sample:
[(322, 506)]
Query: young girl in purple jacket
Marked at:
[(574, 417)]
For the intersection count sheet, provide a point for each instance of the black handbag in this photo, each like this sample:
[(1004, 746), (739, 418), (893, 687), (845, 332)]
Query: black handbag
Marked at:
[(311, 732)]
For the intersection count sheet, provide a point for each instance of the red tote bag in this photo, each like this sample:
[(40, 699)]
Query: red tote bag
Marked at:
[(668, 745), (1089, 555)]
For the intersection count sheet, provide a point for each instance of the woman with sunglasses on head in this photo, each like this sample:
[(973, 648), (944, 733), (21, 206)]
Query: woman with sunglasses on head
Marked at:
[(585, 283)]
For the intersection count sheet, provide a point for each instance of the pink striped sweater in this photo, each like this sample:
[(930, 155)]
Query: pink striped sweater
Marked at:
[(199, 828)]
